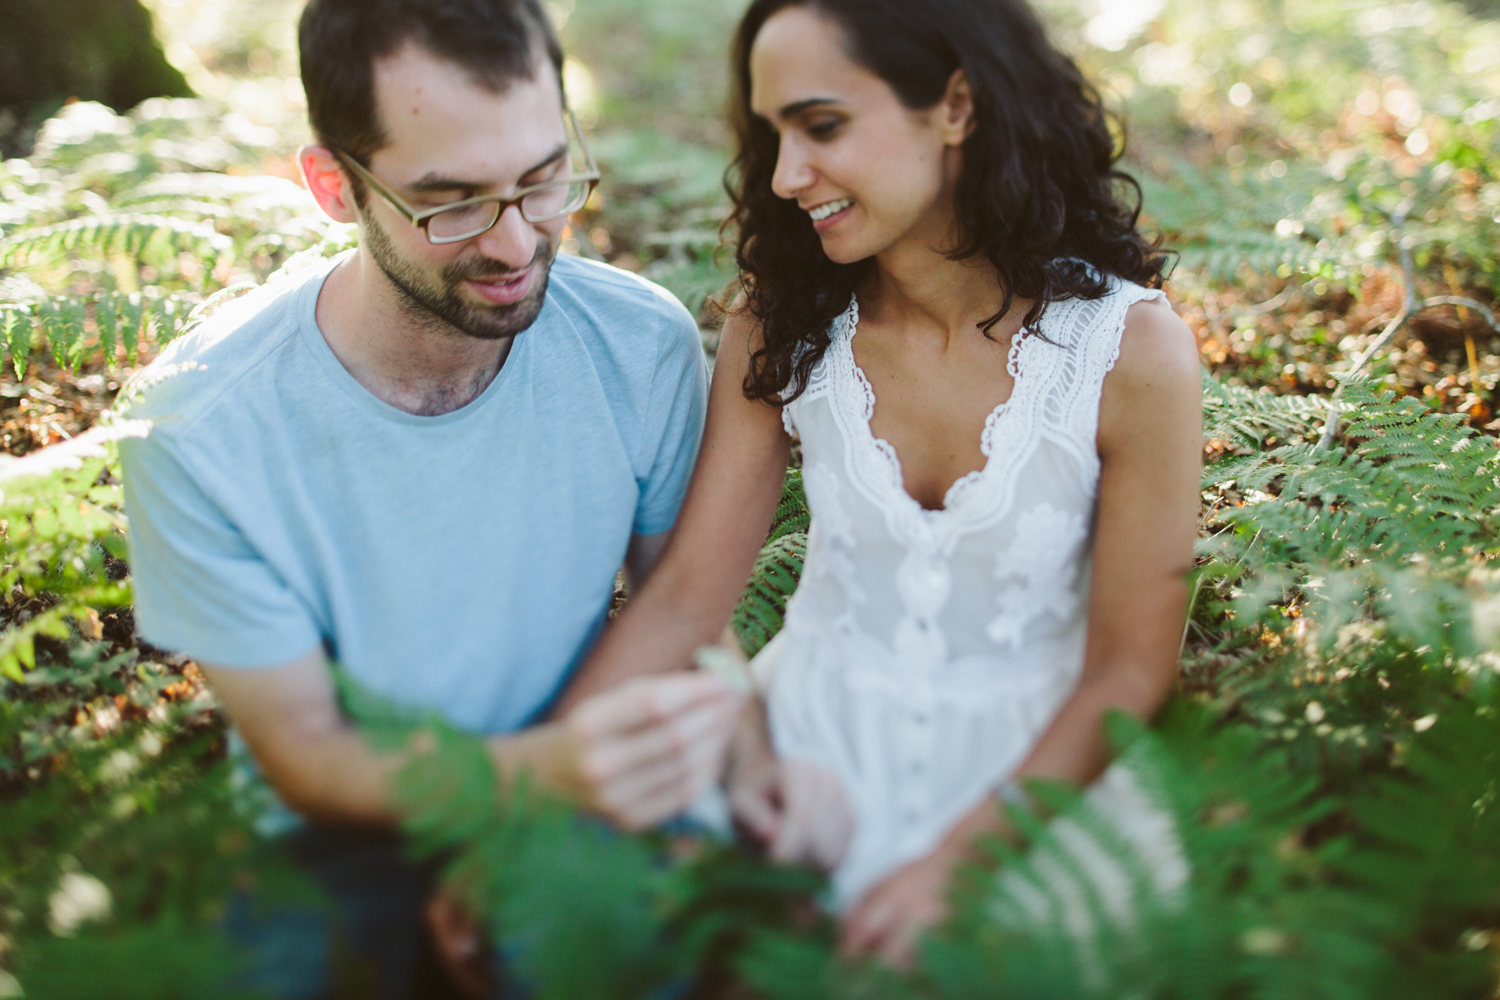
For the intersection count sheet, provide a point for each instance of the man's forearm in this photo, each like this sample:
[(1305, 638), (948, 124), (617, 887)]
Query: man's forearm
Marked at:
[(340, 778), (336, 778), (636, 755)]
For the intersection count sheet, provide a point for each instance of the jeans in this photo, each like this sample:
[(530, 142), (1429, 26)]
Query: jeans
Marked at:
[(371, 941)]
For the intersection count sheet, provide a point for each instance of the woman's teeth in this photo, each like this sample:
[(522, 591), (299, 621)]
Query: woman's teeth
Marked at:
[(831, 208)]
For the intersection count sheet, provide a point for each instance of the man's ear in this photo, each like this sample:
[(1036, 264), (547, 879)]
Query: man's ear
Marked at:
[(957, 109), (325, 178)]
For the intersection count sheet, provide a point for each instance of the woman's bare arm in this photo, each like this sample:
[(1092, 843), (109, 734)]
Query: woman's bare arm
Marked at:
[(724, 519), (1150, 447)]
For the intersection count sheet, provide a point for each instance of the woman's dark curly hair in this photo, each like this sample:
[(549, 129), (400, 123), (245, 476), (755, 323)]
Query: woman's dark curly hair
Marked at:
[(1039, 195)]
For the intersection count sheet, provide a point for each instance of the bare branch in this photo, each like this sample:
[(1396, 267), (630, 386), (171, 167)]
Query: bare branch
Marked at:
[(1411, 304), (1270, 305), (1466, 303)]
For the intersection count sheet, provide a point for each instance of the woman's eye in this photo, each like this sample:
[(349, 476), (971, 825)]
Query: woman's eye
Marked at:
[(822, 131)]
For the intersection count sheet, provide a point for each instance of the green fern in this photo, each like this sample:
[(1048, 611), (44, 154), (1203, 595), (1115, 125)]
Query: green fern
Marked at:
[(123, 233), (762, 608), (1244, 419), (1385, 524), (792, 513)]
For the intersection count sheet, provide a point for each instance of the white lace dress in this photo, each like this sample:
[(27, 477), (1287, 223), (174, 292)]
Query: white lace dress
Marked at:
[(925, 652)]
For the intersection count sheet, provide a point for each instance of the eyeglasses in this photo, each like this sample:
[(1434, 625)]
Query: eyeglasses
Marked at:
[(464, 220)]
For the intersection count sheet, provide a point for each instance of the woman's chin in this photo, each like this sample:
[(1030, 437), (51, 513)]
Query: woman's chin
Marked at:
[(845, 251)]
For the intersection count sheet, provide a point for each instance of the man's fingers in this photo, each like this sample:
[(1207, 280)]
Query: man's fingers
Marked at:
[(661, 788), (647, 701), (649, 747), (704, 725), (657, 797), (662, 805)]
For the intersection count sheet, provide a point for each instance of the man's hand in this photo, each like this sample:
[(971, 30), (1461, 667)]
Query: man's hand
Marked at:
[(637, 754), (642, 752), (458, 936)]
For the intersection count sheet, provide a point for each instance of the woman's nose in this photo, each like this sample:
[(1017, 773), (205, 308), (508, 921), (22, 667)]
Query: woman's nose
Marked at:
[(793, 173)]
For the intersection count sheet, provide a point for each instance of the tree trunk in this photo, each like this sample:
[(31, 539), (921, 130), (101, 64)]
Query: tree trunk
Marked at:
[(92, 50)]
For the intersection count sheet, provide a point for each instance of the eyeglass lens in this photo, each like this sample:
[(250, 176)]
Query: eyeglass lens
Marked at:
[(544, 205)]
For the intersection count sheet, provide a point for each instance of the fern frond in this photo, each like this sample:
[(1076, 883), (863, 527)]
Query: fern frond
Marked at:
[(762, 608), (115, 233), (1246, 419), (15, 336), (792, 513)]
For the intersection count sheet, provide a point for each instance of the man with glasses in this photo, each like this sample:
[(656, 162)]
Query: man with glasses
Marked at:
[(427, 460)]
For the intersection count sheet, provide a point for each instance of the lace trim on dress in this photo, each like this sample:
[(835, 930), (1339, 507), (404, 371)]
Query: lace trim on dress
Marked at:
[(871, 463), (1012, 365), (1058, 379), (875, 467), (1102, 340)]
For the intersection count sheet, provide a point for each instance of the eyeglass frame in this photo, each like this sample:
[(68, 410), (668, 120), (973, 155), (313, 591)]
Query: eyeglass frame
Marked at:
[(420, 219)]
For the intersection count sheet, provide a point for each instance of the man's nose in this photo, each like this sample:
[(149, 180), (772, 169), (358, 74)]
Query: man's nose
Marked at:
[(792, 171), (511, 240)]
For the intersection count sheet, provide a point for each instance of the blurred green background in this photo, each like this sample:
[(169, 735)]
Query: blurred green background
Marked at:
[(1274, 139), (1310, 162)]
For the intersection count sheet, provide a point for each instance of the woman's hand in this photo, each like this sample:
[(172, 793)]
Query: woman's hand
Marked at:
[(816, 822), (796, 808), (889, 918), (752, 776)]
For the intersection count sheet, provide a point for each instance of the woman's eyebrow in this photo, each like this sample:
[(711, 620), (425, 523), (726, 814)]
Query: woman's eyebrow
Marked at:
[(807, 104), (435, 182)]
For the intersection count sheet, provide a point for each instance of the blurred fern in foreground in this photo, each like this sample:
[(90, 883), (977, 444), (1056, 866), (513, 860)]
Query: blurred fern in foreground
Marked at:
[(1338, 725)]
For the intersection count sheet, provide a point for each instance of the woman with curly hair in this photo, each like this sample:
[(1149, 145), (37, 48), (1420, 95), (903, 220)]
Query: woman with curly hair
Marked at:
[(945, 298)]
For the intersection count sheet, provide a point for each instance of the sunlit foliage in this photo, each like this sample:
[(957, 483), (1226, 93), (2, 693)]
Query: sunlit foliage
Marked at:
[(1327, 172)]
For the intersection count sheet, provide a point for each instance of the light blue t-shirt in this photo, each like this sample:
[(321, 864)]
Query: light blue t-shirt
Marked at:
[(463, 562)]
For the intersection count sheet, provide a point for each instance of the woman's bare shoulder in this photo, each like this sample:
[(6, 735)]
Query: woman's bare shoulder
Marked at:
[(1157, 351), (1154, 391)]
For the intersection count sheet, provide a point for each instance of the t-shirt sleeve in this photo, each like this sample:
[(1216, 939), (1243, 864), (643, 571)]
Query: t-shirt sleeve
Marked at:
[(200, 588), (674, 422)]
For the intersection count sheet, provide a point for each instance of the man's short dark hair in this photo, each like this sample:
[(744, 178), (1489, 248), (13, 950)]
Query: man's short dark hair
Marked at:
[(340, 40)]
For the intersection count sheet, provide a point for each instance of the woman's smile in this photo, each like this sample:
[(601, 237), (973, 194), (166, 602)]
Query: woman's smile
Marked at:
[(830, 213)]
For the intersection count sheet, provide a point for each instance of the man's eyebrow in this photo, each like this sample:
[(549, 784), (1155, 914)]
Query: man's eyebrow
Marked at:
[(434, 182)]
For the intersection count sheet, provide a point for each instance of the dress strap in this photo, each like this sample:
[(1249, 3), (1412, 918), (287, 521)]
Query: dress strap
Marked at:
[(818, 380), (1084, 336)]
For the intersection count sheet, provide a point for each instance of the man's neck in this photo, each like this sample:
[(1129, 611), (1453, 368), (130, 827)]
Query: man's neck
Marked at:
[(418, 364)]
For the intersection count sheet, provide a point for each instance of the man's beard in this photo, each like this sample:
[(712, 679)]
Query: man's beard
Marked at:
[(428, 299)]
